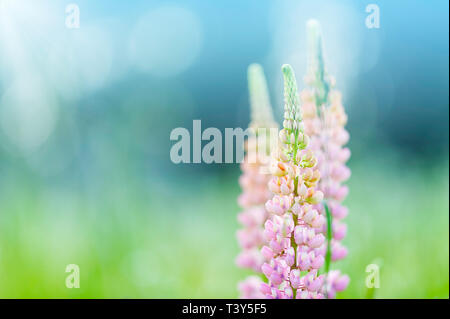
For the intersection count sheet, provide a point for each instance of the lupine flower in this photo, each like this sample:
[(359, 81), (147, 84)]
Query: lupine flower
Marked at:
[(294, 250), (335, 282), (250, 288), (253, 182), (324, 121)]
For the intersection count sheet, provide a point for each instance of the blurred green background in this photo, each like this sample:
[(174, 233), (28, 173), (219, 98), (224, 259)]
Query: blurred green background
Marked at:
[(85, 119)]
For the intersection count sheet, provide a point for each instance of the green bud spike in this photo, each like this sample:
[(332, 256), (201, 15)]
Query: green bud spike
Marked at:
[(317, 76), (292, 114), (261, 110), (291, 99)]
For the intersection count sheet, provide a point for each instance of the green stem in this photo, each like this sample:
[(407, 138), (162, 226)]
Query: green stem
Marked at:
[(329, 237), (293, 243), (370, 294)]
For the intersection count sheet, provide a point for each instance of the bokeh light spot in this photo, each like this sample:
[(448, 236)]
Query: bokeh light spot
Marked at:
[(165, 41), (28, 113)]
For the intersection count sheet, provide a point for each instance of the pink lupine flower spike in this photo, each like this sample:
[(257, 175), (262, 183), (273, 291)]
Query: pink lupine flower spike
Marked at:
[(294, 250), (254, 186), (324, 120)]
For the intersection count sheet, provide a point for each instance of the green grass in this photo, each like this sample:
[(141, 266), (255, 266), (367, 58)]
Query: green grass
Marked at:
[(178, 240)]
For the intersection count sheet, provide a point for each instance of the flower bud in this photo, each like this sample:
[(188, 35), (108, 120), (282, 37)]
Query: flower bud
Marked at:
[(317, 261), (339, 230), (290, 256), (267, 252), (341, 283), (302, 190), (283, 137), (279, 169), (294, 278)]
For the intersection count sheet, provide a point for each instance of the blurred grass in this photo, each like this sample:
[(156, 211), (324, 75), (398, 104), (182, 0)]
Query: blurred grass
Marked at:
[(177, 239)]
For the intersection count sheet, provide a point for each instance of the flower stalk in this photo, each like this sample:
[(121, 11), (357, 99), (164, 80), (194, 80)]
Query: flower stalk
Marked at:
[(294, 251), (325, 119), (253, 182)]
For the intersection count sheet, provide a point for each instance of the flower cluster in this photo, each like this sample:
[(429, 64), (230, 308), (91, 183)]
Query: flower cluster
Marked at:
[(328, 136), (253, 182), (324, 122), (303, 212), (335, 282), (250, 288), (252, 218), (295, 248)]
